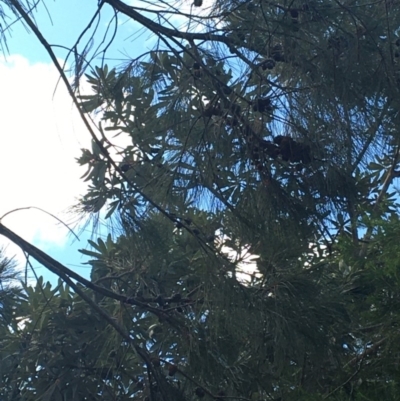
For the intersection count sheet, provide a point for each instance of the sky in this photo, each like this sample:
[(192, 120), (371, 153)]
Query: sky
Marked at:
[(41, 132)]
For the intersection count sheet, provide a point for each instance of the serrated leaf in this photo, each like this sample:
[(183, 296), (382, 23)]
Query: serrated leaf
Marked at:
[(375, 166), (112, 207), (90, 253)]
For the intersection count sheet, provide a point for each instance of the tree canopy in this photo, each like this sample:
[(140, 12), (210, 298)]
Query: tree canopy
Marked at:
[(253, 216)]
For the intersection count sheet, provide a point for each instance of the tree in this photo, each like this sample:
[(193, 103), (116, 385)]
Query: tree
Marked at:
[(11, 300), (270, 129)]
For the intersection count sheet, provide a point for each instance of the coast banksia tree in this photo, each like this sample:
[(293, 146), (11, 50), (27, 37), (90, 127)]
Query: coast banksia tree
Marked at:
[(261, 130)]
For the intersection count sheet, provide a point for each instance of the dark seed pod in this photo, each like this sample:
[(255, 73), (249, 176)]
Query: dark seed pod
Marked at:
[(172, 369), (293, 151), (241, 37), (125, 167), (295, 16), (212, 110), (281, 139), (232, 122), (268, 64), (197, 69), (176, 298), (262, 104), (277, 53), (227, 90), (211, 238)]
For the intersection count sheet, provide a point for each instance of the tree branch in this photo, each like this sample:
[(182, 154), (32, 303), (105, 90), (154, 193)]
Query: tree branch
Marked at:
[(63, 272), (159, 29)]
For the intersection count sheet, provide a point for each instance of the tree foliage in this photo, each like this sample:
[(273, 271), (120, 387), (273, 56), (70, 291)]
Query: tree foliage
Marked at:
[(263, 129)]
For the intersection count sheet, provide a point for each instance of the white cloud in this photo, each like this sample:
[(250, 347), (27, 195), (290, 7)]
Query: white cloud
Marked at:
[(246, 262), (41, 135)]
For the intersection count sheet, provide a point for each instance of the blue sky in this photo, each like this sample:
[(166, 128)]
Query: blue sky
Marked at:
[(44, 132), (62, 23)]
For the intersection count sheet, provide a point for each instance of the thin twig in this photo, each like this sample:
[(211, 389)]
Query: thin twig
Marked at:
[(44, 211)]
